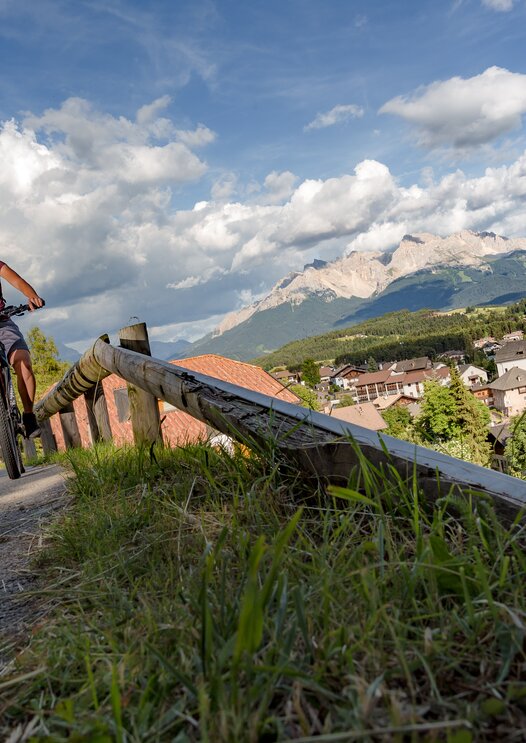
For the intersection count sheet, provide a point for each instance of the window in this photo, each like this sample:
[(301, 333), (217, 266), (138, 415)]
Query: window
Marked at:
[(522, 390), (122, 404)]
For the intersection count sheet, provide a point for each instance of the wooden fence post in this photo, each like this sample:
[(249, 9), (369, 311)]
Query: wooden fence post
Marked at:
[(70, 428), (144, 407), (98, 418), (30, 449), (49, 445)]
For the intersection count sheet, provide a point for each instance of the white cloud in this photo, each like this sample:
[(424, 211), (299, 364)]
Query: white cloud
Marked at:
[(464, 113), (197, 138), (336, 115), (278, 187), (500, 5), (88, 217)]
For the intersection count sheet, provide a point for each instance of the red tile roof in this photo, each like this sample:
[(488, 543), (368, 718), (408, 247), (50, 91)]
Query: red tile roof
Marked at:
[(378, 377), (364, 414), (237, 372)]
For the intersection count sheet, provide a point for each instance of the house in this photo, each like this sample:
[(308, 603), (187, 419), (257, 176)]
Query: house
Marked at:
[(326, 373), (392, 401), (509, 391), (413, 382), (364, 414), (481, 342), (511, 355), (472, 375), (498, 436), (423, 362), (177, 427), (484, 393), (371, 385), (346, 376), (516, 335), (490, 348), (385, 383), (286, 377), (457, 355)]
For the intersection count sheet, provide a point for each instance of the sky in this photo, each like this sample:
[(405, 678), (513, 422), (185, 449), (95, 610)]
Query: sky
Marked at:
[(171, 160)]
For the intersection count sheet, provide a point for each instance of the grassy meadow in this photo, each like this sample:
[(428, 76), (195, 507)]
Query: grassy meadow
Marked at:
[(197, 596)]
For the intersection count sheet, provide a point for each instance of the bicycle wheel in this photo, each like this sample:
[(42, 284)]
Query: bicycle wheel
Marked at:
[(9, 444)]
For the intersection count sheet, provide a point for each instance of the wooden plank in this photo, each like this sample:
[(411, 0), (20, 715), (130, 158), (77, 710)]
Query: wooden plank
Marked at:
[(98, 417), (30, 449), (70, 429), (144, 407), (49, 445)]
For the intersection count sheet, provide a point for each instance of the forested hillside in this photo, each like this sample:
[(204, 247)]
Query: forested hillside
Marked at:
[(400, 335)]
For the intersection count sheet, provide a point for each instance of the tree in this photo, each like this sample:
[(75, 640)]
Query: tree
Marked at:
[(399, 422), (310, 372), (44, 355), (372, 366), (471, 419), (308, 397), (437, 419), (515, 450), (345, 401)]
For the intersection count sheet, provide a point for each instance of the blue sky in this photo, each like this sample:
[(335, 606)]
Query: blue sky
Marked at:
[(300, 129)]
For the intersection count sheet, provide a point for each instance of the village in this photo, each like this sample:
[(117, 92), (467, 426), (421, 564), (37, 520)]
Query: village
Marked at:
[(357, 395)]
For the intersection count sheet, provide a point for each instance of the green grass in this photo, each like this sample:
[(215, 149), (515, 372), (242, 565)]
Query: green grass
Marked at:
[(202, 597)]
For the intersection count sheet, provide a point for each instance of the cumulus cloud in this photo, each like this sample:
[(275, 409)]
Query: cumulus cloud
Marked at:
[(336, 115), (87, 215), (464, 113), (500, 5)]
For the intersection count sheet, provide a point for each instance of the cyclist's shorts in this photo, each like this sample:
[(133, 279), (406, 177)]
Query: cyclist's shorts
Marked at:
[(11, 336)]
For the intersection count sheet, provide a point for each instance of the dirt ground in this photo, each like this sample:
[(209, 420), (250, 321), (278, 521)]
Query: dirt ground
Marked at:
[(26, 506)]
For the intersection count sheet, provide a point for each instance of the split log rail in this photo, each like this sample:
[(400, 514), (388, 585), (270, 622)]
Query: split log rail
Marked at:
[(315, 443)]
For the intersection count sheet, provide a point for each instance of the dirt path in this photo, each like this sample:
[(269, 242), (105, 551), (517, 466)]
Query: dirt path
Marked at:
[(25, 505)]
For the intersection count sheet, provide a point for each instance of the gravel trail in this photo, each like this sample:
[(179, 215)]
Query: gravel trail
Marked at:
[(26, 505)]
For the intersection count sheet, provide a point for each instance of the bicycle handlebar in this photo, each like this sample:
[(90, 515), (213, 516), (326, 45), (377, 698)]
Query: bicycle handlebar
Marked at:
[(20, 309)]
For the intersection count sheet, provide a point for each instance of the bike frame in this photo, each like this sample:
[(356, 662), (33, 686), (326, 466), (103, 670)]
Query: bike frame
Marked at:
[(7, 390)]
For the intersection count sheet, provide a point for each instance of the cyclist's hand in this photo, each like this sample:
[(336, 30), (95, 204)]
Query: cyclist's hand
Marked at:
[(35, 301)]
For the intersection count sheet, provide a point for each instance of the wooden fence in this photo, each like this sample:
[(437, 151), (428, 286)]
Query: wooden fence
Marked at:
[(316, 443)]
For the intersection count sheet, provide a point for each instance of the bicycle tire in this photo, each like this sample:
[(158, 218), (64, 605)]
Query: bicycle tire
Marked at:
[(8, 444)]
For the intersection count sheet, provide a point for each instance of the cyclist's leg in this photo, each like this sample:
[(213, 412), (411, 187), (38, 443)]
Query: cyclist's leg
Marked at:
[(20, 360)]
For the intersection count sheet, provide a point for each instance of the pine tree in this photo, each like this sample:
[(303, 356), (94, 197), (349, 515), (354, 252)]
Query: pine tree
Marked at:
[(471, 420), (310, 373)]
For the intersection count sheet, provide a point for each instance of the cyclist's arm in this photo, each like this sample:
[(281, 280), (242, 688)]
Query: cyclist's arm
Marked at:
[(19, 283)]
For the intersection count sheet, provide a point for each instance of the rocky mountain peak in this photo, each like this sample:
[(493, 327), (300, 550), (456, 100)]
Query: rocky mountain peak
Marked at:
[(363, 274)]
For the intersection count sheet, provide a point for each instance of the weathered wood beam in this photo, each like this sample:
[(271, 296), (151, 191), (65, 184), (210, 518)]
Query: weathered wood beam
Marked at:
[(70, 428), (98, 417), (79, 378), (49, 445)]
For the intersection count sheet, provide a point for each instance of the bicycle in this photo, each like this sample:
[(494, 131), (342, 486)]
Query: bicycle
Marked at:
[(11, 426)]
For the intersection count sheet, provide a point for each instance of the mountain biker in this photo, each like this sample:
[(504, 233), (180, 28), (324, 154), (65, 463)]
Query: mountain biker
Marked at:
[(16, 348)]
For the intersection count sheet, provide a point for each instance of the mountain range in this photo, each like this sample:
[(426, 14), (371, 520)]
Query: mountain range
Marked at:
[(423, 271)]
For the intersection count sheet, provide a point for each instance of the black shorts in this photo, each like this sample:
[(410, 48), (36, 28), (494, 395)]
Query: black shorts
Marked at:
[(12, 338)]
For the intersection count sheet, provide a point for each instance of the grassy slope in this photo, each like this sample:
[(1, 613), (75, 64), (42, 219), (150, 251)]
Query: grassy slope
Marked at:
[(210, 598)]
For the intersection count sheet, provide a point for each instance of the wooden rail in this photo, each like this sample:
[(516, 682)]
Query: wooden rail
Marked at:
[(316, 443)]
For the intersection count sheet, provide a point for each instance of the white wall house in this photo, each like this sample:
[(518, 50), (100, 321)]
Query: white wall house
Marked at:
[(511, 355), (509, 392), (471, 375)]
